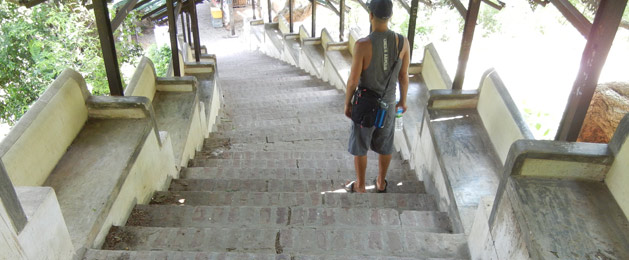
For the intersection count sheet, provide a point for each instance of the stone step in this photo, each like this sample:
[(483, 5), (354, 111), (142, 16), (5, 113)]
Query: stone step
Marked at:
[(272, 93), (330, 100), (270, 114), (402, 174), (281, 217), (303, 108), (269, 82), (284, 185), (322, 164), (303, 240), (298, 146), (287, 154), (274, 127), (237, 102), (338, 199), (337, 119), (96, 254)]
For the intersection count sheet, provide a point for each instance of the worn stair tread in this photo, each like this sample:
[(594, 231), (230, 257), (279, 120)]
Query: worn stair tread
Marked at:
[(96, 254), (256, 216), (302, 240), (325, 164), (286, 96), (285, 185), (292, 173), (338, 199)]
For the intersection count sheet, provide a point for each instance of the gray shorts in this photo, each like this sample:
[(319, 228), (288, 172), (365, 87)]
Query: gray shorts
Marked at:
[(380, 140)]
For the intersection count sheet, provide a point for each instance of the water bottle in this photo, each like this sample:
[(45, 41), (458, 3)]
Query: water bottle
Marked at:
[(398, 119)]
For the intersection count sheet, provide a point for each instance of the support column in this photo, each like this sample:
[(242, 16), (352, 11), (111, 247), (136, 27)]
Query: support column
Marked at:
[(466, 42), (183, 25), (108, 46), (253, 8), (314, 18), (412, 24), (290, 15), (188, 27), (269, 7), (172, 31), (600, 39), (342, 20), (195, 31), (232, 20)]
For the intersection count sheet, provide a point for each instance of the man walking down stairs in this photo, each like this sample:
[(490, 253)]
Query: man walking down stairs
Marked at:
[(269, 185)]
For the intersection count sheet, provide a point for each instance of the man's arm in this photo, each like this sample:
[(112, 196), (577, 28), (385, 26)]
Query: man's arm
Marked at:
[(354, 76), (403, 75)]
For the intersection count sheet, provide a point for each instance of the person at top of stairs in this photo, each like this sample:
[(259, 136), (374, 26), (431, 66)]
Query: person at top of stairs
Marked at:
[(377, 65)]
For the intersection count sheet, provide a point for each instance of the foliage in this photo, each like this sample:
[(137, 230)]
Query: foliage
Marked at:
[(160, 57), (37, 44)]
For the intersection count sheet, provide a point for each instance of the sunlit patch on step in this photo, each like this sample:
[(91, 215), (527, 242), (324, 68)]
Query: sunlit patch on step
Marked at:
[(448, 118)]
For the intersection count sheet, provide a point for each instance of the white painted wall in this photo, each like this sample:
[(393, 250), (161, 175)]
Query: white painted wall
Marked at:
[(9, 245), (41, 137), (498, 121), (618, 178)]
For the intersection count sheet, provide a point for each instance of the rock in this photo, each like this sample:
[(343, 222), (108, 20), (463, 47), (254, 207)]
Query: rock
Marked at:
[(609, 105)]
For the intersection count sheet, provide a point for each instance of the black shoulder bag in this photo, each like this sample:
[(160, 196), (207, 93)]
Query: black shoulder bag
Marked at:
[(368, 107)]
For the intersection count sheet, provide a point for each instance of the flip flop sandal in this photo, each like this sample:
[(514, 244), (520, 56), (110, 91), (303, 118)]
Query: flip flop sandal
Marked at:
[(350, 187), (375, 184)]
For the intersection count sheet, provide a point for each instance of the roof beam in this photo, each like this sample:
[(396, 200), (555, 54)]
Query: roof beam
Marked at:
[(156, 10), (576, 18), (459, 7), (405, 5), (122, 14), (141, 3), (363, 4), (497, 6), (332, 7), (600, 39)]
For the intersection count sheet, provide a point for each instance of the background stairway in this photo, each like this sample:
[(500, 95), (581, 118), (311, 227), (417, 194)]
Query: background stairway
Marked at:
[(268, 185)]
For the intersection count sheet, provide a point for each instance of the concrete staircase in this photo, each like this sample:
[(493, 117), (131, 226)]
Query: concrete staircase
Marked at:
[(268, 185)]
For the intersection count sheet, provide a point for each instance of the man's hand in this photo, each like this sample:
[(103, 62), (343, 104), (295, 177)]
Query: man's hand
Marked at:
[(348, 111), (401, 105)]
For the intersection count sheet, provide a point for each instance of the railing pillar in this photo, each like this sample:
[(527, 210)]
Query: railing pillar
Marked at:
[(600, 39), (342, 20), (172, 30), (411, 25), (314, 18), (108, 46), (466, 43)]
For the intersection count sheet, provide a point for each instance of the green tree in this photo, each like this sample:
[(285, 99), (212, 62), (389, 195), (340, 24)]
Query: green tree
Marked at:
[(37, 44)]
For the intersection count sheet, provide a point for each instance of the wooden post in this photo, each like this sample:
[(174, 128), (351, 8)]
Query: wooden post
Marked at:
[(411, 25), (108, 46), (600, 39), (269, 7), (342, 20), (466, 43), (195, 31), (314, 18), (172, 31), (290, 15)]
